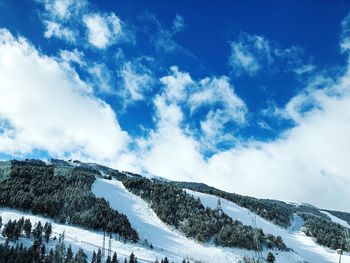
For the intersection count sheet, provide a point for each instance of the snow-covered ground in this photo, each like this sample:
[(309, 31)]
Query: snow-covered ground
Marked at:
[(175, 245), (336, 219), (169, 242), (85, 239), (303, 245)]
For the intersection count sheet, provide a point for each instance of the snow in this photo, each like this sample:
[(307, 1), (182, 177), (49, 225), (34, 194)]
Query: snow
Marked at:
[(168, 241), (336, 219), (82, 238), (303, 245), (163, 238)]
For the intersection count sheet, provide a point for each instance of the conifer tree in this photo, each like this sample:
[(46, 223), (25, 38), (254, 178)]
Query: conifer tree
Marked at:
[(47, 231), (80, 257), (270, 258), (27, 227), (93, 260), (115, 258), (69, 255), (99, 256)]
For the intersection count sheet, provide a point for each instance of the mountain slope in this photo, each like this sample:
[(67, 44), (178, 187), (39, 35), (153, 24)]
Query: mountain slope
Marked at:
[(293, 237), (124, 195), (150, 227)]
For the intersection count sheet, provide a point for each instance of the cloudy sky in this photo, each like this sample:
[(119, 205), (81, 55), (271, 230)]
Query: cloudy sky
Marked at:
[(249, 97)]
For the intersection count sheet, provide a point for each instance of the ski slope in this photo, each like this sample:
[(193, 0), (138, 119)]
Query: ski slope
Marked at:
[(303, 245), (81, 238), (163, 238), (336, 219)]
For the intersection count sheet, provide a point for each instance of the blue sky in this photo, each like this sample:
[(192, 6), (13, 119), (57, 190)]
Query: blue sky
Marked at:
[(247, 96)]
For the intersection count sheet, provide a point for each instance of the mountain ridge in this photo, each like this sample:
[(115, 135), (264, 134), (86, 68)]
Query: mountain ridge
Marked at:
[(277, 212)]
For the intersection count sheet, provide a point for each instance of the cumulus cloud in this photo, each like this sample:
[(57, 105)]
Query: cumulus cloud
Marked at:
[(306, 160), (212, 101), (176, 84), (44, 105), (103, 29)]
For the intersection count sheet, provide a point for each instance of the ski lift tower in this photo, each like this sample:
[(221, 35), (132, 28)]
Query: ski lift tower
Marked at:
[(218, 207)]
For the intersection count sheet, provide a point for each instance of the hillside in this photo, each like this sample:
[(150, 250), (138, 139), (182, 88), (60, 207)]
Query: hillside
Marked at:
[(156, 218)]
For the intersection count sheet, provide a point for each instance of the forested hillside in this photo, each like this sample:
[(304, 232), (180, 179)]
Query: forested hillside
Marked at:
[(342, 215), (326, 232), (61, 192), (317, 224), (179, 209)]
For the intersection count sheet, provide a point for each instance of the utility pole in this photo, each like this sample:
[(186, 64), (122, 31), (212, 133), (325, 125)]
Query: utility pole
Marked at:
[(103, 245), (256, 236), (110, 246), (345, 243)]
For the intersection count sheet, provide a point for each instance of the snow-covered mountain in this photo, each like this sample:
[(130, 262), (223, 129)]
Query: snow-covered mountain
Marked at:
[(157, 239)]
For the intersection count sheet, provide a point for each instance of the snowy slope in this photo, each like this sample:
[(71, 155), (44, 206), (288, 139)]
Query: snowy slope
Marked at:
[(293, 237), (161, 236), (336, 219), (85, 239)]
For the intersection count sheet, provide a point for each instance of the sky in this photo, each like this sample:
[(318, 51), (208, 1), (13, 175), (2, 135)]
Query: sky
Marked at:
[(250, 97)]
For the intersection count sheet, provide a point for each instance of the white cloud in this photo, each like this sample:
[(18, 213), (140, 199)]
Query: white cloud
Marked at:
[(162, 37), (62, 9), (58, 15), (178, 23), (103, 30), (345, 34), (74, 56), (248, 52), (45, 106), (219, 91), (176, 84), (59, 31), (212, 100), (253, 54), (137, 80), (101, 77), (306, 160)]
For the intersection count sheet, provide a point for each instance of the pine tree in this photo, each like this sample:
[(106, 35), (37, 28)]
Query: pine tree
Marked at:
[(99, 256), (80, 257), (27, 227), (270, 257), (37, 232), (69, 255), (132, 258), (108, 260), (47, 231), (93, 260), (115, 258)]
